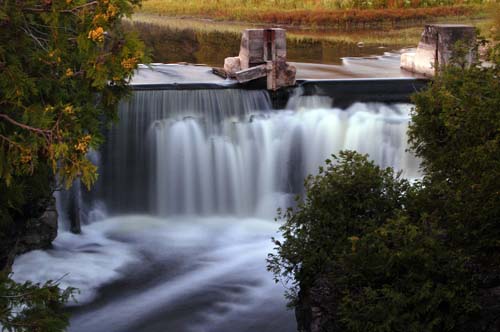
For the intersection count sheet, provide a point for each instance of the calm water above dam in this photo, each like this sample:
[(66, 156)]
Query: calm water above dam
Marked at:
[(203, 42)]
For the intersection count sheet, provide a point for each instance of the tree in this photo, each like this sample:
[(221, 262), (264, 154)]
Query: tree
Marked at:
[(372, 253), (64, 67), (352, 250), (350, 197), (33, 307), (455, 130)]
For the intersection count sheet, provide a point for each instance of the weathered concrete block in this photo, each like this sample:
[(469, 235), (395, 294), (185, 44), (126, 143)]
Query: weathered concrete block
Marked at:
[(261, 45), (262, 53), (250, 74), (232, 65), (280, 74), (436, 47), (274, 44), (408, 61), (251, 48)]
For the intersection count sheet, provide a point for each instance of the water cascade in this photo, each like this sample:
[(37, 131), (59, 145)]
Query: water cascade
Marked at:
[(181, 219)]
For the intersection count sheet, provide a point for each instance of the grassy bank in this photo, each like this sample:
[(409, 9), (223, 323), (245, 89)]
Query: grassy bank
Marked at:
[(406, 36), (320, 13)]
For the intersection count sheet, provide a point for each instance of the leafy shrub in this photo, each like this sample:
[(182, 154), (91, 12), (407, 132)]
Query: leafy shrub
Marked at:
[(33, 307), (370, 267)]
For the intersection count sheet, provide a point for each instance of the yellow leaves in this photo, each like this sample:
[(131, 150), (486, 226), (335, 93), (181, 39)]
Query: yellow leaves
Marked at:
[(83, 144), (78, 166), (25, 156), (129, 63), (69, 72), (69, 110), (354, 240), (102, 18), (69, 2), (112, 11), (99, 18), (97, 34)]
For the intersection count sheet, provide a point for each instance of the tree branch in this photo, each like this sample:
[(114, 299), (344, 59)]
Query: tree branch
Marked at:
[(11, 142), (24, 126)]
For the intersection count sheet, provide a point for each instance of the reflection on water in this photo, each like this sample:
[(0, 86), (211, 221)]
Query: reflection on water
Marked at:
[(170, 44), (208, 42)]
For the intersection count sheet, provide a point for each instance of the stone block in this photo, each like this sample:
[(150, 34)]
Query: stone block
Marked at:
[(250, 74), (232, 65), (436, 47)]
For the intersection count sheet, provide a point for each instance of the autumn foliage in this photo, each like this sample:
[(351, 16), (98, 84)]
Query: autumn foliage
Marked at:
[(64, 66), (338, 13), (356, 17)]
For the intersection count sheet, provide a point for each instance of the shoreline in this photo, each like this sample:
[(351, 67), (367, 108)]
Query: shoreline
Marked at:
[(319, 19)]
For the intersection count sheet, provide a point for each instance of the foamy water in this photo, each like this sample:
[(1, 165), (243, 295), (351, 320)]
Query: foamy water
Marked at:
[(177, 231)]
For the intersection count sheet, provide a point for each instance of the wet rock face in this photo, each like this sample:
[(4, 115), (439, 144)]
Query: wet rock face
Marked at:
[(315, 309), (39, 232), (36, 231)]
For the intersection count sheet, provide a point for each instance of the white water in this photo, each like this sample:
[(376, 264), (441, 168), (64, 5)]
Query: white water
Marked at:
[(192, 181)]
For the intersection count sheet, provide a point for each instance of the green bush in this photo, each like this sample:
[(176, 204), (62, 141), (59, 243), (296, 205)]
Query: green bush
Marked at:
[(371, 266), (33, 307), (349, 198), (456, 131), (371, 252)]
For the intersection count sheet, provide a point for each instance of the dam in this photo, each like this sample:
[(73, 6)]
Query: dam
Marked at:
[(175, 234)]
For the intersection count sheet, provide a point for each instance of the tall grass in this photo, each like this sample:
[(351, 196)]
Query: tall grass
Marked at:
[(188, 6), (333, 13), (495, 16)]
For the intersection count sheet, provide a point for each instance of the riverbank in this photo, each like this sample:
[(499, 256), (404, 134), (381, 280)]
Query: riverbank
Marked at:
[(308, 15), (172, 40)]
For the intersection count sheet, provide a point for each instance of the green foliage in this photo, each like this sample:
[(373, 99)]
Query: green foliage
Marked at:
[(377, 254), (377, 269), (455, 130), (347, 199), (402, 278), (64, 66), (32, 307)]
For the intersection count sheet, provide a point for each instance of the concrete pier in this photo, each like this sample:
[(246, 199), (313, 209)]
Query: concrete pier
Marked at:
[(436, 48), (262, 54)]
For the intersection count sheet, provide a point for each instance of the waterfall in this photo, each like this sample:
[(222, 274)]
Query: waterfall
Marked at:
[(226, 152), (189, 184)]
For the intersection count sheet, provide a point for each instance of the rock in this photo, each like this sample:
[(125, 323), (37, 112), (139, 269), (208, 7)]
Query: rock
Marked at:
[(315, 310), (408, 61), (39, 232), (232, 65), (221, 72), (250, 74), (281, 74)]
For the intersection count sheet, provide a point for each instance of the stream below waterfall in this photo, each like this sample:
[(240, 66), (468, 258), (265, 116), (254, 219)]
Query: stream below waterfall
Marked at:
[(177, 230)]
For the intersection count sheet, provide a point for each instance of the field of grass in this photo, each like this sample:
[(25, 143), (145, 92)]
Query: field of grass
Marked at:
[(405, 36), (318, 13)]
